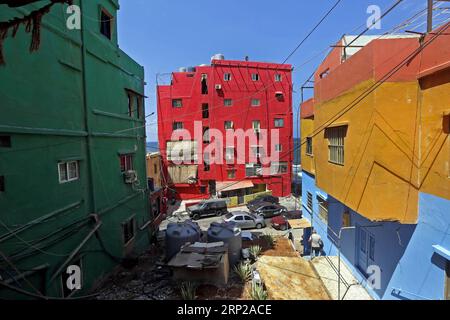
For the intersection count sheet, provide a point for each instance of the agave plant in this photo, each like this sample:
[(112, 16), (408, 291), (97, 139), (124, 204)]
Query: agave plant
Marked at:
[(188, 290), (269, 239), (258, 293), (255, 251), (244, 271)]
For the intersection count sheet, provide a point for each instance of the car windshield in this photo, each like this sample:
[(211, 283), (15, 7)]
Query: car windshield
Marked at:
[(228, 216)]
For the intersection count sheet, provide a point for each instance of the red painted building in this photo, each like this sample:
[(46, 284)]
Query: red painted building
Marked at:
[(248, 102)]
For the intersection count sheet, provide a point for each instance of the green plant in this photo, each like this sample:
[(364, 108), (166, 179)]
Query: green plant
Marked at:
[(255, 251), (188, 290), (244, 271), (269, 239), (258, 293)]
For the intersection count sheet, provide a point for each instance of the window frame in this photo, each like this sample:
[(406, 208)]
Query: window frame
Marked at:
[(229, 122), (128, 156), (278, 77), (66, 165), (111, 17), (309, 146), (227, 76), (309, 201), (323, 209), (175, 105), (280, 164), (255, 100), (255, 77), (229, 101), (131, 221), (279, 147), (276, 122), (175, 125), (336, 144)]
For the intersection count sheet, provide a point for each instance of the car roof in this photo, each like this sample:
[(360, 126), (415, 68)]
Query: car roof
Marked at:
[(238, 213)]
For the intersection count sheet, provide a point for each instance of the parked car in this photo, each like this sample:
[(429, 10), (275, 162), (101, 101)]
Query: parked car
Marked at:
[(263, 198), (207, 208), (268, 210), (281, 222), (245, 220)]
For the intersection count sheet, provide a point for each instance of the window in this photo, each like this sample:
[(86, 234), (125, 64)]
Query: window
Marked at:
[(5, 141), (126, 162), (66, 291), (278, 77), (336, 136), (346, 219), (135, 104), (177, 125), (227, 76), (203, 189), (229, 154), (255, 77), (231, 173), (206, 135), (309, 201), (177, 103), (279, 123), (2, 183), (278, 167), (185, 150), (253, 170), (239, 218), (68, 171), (229, 125), (256, 102), (258, 151), (278, 147), (204, 84), (155, 169), (206, 167), (227, 102), (106, 20), (309, 146), (256, 124), (323, 209), (128, 229), (205, 111), (372, 248)]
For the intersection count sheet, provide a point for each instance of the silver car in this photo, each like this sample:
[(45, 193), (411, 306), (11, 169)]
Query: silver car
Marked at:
[(245, 220)]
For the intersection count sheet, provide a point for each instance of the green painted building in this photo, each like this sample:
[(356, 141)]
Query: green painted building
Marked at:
[(73, 185)]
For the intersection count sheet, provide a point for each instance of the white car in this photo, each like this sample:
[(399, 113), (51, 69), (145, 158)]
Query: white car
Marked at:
[(245, 220)]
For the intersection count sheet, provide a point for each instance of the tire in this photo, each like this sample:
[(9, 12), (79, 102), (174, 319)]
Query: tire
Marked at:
[(283, 228), (219, 213), (259, 226), (196, 216)]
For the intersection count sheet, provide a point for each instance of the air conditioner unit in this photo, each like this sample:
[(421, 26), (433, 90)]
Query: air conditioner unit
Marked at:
[(130, 176), (218, 87)]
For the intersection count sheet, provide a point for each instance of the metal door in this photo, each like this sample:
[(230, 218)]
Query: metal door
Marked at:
[(365, 249)]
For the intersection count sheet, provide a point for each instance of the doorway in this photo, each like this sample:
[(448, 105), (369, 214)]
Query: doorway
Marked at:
[(365, 250)]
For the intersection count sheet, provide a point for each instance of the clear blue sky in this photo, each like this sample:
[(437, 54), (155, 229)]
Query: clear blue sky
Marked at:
[(163, 35)]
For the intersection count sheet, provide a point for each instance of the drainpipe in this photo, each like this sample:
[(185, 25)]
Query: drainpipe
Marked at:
[(92, 206)]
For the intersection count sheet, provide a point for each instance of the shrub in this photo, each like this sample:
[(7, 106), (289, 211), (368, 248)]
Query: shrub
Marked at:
[(255, 251), (258, 292), (244, 271), (269, 239), (188, 290)]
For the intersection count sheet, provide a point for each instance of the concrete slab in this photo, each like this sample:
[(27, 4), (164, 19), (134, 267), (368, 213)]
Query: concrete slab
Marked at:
[(291, 278), (326, 268)]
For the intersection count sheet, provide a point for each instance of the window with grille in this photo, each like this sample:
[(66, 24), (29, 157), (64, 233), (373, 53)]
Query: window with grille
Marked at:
[(128, 229), (68, 171), (309, 201), (278, 167), (229, 125), (279, 123), (323, 209), (256, 102), (253, 170), (126, 162), (336, 137), (177, 103), (309, 146), (177, 125)]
